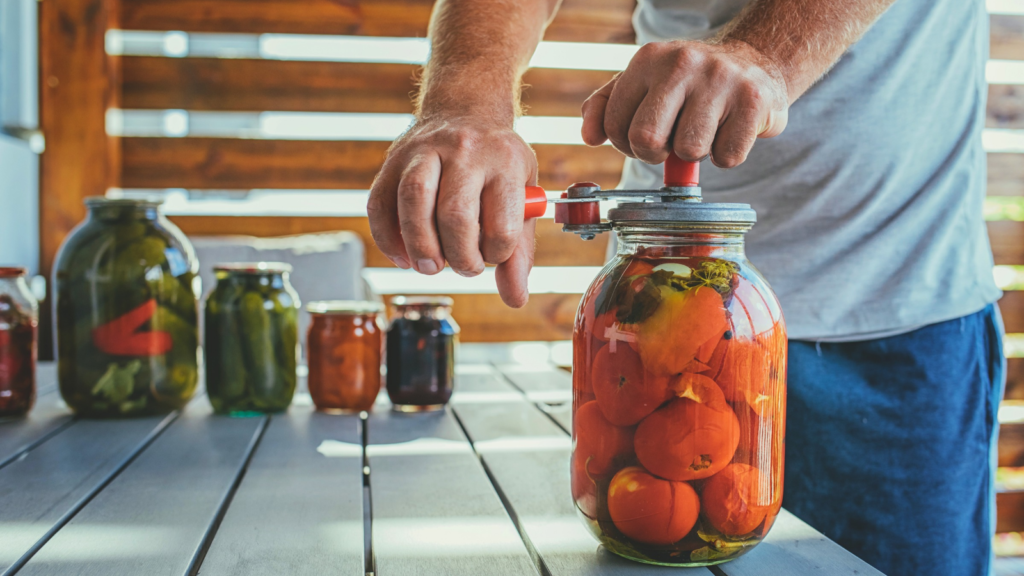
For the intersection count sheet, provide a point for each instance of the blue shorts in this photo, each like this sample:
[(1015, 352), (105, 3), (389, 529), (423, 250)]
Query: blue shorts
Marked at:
[(890, 444)]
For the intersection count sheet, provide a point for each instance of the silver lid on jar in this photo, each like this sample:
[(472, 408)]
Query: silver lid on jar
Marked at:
[(96, 201), (345, 307), (422, 301), (684, 212), (253, 267)]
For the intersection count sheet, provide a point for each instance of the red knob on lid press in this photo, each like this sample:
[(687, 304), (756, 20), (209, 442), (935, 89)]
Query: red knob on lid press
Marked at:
[(536, 202), (680, 173)]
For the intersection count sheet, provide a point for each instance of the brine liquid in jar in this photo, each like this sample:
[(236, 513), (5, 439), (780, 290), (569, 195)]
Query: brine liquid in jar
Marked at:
[(19, 318), (421, 342), (679, 400)]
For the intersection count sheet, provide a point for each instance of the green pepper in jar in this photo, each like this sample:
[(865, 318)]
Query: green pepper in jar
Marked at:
[(251, 339)]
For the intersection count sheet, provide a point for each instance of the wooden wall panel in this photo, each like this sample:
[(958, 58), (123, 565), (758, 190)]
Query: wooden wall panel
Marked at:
[(554, 247), (1014, 379), (1006, 107), (1007, 37), (249, 84), (227, 163), (1007, 240), (1006, 175), (1012, 307), (577, 21)]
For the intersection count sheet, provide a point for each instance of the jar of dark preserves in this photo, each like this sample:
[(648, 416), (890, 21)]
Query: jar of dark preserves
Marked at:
[(343, 350), (251, 339), (679, 381), (421, 346), (19, 316), (127, 287)]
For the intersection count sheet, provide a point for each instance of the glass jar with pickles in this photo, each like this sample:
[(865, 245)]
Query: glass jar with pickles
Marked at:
[(679, 384), (19, 318), (126, 283), (251, 339)]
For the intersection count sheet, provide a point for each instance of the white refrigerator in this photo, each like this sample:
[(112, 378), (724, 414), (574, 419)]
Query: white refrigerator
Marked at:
[(20, 140)]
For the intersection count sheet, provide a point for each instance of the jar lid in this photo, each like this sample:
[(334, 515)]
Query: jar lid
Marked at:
[(684, 212), (92, 201), (253, 267), (344, 307), (12, 271), (411, 301)]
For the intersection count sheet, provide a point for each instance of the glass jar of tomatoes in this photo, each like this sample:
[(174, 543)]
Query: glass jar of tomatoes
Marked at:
[(127, 287), (421, 346), (343, 349), (251, 339), (679, 367), (19, 317)]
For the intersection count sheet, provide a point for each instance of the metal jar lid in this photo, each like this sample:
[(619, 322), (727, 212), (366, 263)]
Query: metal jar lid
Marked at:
[(422, 301), (345, 307), (254, 267), (684, 212)]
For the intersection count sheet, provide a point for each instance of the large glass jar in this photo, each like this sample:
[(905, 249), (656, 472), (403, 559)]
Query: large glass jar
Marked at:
[(251, 339), (19, 317), (679, 397), (343, 349), (127, 287), (421, 346)]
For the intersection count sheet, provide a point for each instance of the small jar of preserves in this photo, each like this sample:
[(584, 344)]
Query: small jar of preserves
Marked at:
[(421, 346), (127, 287), (19, 317), (343, 348), (251, 338)]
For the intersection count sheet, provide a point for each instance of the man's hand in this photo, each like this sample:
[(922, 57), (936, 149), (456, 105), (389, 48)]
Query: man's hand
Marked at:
[(695, 98), (453, 189)]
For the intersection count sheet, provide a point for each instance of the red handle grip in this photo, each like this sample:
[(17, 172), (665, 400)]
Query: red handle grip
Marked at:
[(536, 202), (679, 173)]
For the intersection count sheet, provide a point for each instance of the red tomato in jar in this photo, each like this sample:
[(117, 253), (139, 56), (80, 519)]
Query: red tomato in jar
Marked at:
[(684, 321), (649, 509), (601, 445), (741, 368), (625, 391), (737, 499), (687, 439), (639, 267)]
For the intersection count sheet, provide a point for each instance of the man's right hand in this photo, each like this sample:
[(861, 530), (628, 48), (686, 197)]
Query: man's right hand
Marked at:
[(452, 189)]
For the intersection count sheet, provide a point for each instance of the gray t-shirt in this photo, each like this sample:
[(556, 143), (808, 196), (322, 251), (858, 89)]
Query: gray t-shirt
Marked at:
[(870, 203)]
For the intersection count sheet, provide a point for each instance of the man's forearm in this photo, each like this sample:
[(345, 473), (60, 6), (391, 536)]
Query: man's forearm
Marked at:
[(804, 38), (479, 51)]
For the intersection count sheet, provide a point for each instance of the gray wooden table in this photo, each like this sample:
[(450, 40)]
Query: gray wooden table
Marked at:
[(478, 489)]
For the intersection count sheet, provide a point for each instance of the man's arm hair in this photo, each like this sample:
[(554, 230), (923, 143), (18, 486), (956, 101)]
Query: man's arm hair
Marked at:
[(803, 38), (479, 52)]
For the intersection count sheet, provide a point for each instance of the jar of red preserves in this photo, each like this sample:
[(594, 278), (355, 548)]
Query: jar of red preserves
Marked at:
[(343, 346), (19, 317), (679, 384)]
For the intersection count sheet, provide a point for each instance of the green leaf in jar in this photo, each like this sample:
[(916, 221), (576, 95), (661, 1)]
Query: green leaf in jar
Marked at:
[(117, 382), (717, 274)]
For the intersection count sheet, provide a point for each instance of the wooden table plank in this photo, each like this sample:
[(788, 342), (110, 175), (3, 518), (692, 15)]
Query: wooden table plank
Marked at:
[(153, 517), (540, 383), (299, 510), (434, 509), (48, 417), (528, 456), (38, 490), (792, 547)]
